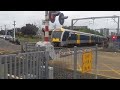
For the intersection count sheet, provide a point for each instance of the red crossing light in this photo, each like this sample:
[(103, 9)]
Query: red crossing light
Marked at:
[(114, 37)]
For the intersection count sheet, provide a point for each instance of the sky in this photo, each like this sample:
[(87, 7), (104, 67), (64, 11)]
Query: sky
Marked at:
[(36, 17)]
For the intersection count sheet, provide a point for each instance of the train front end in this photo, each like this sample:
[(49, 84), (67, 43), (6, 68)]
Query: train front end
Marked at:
[(56, 37)]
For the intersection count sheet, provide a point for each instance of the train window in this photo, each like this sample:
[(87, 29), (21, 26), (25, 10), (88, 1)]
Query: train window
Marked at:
[(92, 37), (73, 37), (65, 36), (83, 37), (56, 34)]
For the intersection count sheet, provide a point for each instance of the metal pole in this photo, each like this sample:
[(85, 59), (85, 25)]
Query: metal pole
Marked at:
[(96, 66), (72, 24), (118, 26), (14, 30), (75, 62), (46, 38), (96, 17), (46, 64), (5, 31), (118, 33), (1, 28)]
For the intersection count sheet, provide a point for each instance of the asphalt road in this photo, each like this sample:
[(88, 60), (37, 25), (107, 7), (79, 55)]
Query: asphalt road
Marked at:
[(6, 45), (109, 64)]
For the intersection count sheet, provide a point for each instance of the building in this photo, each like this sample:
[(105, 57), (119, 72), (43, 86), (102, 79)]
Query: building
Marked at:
[(104, 31), (101, 31), (113, 33)]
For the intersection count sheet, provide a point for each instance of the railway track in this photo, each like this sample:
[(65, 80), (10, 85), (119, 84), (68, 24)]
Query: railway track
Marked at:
[(66, 51)]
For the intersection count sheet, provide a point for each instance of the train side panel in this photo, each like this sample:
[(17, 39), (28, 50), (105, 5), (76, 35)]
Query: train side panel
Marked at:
[(64, 37)]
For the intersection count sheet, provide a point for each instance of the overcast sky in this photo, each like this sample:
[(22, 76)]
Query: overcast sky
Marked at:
[(35, 17)]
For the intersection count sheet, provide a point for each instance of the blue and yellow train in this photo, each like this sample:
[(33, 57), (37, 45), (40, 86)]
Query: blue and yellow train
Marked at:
[(64, 37)]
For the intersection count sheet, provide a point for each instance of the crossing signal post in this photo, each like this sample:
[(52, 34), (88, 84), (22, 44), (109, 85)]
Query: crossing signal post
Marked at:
[(50, 16), (46, 38)]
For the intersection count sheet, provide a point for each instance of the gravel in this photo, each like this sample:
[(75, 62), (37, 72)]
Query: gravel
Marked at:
[(62, 73)]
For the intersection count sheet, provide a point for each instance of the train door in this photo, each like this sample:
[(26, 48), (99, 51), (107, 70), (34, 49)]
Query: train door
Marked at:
[(78, 39), (90, 41)]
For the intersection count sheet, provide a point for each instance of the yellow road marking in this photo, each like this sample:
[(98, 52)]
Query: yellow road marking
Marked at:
[(99, 74), (106, 76), (109, 70), (112, 69), (104, 70), (79, 67)]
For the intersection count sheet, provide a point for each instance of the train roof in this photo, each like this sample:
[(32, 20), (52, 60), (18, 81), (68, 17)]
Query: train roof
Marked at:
[(62, 29)]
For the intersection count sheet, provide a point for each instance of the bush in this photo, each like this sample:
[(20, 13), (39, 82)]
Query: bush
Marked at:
[(26, 36), (29, 29), (15, 42)]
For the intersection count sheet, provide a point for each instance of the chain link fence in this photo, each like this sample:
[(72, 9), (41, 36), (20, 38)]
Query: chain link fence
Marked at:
[(76, 63)]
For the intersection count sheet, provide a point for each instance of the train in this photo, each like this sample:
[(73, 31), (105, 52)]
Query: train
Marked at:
[(65, 37)]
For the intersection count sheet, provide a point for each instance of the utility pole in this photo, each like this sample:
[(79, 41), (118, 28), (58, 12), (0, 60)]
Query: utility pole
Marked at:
[(14, 30), (1, 28), (5, 31), (118, 26), (71, 24)]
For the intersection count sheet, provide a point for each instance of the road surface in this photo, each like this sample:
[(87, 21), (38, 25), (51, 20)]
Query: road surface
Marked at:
[(7, 46)]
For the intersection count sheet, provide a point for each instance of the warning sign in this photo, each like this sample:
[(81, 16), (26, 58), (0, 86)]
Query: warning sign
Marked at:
[(87, 58)]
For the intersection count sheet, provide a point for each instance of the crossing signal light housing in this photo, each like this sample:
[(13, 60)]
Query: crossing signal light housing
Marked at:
[(52, 15), (61, 18)]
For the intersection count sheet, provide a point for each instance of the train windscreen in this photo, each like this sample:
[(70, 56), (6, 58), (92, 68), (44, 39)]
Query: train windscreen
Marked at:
[(56, 34)]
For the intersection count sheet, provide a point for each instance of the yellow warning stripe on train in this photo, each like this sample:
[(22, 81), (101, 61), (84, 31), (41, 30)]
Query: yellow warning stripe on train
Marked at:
[(55, 40), (78, 41)]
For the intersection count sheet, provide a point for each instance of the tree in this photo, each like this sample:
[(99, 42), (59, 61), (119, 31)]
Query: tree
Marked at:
[(29, 29), (2, 32)]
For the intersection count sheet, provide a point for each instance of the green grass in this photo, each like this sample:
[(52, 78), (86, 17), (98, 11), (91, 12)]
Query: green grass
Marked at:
[(28, 39), (4, 52)]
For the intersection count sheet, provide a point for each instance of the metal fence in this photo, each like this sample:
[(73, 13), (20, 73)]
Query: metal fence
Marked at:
[(76, 63), (113, 46), (30, 65), (116, 45), (69, 63), (30, 47)]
